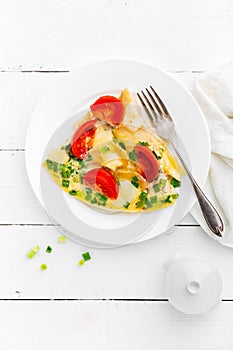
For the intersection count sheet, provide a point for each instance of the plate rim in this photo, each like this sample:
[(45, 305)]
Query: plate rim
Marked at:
[(120, 62)]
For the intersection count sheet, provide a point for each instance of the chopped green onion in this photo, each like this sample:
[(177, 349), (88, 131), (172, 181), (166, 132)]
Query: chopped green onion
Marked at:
[(104, 149), (156, 188), (62, 167), (49, 164), (101, 203), (88, 197), (148, 203), (101, 196), (135, 181), (86, 256), (31, 254), (126, 205), (65, 183), (142, 200), (48, 249), (36, 249), (94, 200), (72, 192), (88, 190), (143, 143), (153, 200), (132, 156), (162, 182), (43, 267), (122, 145), (169, 198), (65, 174), (81, 262), (175, 183), (62, 239), (175, 195), (89, 157)]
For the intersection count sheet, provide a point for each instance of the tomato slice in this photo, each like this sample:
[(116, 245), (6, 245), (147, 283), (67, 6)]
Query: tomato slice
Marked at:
[(83, 138), (147, 162), (103, 181), (109, 109)]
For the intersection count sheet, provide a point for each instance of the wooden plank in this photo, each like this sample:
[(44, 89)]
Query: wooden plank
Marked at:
[(132, 272), (18, 203), (184, 35), (114, 325)]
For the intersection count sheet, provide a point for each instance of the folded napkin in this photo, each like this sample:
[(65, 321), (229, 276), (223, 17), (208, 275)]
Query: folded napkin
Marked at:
[(214, 93)]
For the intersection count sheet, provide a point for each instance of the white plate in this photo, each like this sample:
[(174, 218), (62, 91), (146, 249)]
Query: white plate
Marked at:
[(75, 93)]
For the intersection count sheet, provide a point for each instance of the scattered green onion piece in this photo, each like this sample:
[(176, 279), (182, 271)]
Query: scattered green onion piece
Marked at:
[(43, 267), (35, 249), (62, 239), (175, 183), (81, 262), (31, 254), (48, 249), (86, 256)]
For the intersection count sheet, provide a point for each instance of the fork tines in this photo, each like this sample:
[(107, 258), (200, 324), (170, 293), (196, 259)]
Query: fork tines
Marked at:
[(153, 105)]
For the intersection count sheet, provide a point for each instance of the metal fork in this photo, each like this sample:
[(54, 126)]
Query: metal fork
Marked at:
[(165, 127)]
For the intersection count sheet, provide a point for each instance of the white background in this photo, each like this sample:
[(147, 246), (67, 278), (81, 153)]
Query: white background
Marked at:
[(115, 301)]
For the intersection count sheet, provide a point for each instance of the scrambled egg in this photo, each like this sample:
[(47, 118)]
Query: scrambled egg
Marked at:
[(113, 149)]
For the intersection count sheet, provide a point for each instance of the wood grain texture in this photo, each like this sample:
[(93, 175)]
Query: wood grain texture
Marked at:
[(40, 42), (133, 272), (183, 35), (112, 325)]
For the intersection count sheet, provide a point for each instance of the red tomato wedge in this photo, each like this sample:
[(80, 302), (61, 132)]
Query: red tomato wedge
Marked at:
[(109, 109), (147, 162), (102, 181), (83, 138)]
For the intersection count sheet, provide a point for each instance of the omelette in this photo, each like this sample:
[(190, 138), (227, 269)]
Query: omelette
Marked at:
[(115, 161)]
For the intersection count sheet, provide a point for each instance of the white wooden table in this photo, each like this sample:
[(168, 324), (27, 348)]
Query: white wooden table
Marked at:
[(115, 301)]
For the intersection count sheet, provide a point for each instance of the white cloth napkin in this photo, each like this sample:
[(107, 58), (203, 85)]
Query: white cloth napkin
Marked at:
[(214, 93)]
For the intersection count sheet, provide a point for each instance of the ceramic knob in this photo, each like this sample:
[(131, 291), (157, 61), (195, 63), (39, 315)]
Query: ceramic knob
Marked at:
[(193, 285)]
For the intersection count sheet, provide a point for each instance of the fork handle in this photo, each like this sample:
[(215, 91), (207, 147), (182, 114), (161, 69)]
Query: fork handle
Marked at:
[(211, 215)]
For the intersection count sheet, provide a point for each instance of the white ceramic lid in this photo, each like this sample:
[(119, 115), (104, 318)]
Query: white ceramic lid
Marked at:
[(193, 285)]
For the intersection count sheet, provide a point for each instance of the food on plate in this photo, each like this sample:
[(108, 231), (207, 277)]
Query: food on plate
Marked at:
[(114, 160)]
